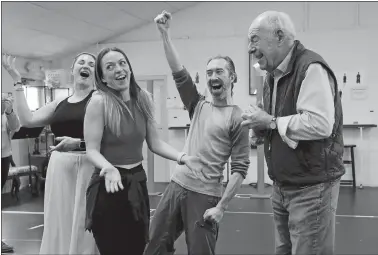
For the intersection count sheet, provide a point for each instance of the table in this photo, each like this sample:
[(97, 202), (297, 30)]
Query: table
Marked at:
[(186, 128), (261, 191)]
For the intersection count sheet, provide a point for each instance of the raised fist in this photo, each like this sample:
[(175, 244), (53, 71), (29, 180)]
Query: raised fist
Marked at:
[(163, 21)]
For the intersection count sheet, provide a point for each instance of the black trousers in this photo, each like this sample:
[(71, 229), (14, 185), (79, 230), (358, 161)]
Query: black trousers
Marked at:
[(5, 163), (115, 227)]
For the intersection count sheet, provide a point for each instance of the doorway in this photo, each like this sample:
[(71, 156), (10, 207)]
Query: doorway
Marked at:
[(157, 86)]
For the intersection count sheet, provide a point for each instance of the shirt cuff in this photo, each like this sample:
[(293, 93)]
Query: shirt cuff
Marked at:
[(282, 124)]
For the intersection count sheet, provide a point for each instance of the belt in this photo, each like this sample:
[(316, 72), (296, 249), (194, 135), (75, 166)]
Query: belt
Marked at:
[(293, 185)]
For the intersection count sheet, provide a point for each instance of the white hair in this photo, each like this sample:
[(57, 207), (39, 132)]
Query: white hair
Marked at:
[(274, 21)]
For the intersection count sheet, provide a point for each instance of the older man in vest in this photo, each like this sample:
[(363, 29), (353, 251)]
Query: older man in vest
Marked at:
[(301, 126)]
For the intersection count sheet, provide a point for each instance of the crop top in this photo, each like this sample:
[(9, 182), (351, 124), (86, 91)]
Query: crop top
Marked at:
[(127, 148), (68, 118)]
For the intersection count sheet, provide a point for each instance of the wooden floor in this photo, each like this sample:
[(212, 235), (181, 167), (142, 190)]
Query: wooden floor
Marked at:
[(247, 228)]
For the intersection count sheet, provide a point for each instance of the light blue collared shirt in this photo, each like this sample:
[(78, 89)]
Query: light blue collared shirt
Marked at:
[(315, 106)]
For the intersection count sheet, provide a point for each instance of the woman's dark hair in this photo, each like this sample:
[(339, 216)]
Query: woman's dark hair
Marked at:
[(114, 105)]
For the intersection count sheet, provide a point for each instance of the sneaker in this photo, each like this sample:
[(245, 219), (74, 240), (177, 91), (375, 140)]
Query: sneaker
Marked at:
[(5, 248)]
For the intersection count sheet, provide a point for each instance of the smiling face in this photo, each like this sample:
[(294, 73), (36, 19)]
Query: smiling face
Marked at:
[(218, 78), (116, 72), (265, 45), (83, 69)]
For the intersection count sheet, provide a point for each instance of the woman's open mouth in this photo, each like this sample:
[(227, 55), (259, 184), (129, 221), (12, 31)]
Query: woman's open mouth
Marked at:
[(121, 77), (84, 73)]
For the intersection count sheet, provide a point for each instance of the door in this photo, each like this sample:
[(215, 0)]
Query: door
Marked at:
[(156, 167)]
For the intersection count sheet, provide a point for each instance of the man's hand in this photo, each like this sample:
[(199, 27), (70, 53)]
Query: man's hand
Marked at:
[(256, 118), (214, 214), (163, 21), (8, 62), (256, 139), (66, 144)]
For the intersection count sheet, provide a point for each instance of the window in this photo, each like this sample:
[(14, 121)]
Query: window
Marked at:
[(61, 93), (38, 96), (33, 97)]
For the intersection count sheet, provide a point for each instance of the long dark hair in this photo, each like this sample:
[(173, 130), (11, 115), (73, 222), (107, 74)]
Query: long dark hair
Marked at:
[(114, 105)]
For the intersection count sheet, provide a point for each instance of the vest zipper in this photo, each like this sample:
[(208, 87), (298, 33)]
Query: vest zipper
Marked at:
[(270, 140)]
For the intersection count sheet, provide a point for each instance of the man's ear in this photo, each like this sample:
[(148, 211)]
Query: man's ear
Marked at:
[(234, 78), (281, 36)]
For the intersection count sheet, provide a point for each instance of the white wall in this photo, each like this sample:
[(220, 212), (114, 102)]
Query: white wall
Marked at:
[(344, 33)]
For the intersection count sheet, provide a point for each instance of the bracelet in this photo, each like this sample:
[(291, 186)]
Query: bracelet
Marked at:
[(179, 157), (9, 113), (82, 145)]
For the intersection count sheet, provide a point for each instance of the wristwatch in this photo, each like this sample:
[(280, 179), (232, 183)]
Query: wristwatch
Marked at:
[(273, 123), (82, 145), (9, 113)]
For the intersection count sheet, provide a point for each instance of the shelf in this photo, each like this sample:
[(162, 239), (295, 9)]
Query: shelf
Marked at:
[(178, 127), (359, 125)]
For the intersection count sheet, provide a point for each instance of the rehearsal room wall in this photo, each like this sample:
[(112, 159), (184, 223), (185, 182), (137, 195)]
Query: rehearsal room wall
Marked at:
[(347, 43), (19, 147)]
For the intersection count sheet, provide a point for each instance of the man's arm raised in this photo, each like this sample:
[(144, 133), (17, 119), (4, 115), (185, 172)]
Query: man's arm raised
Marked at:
[(184, 83)]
